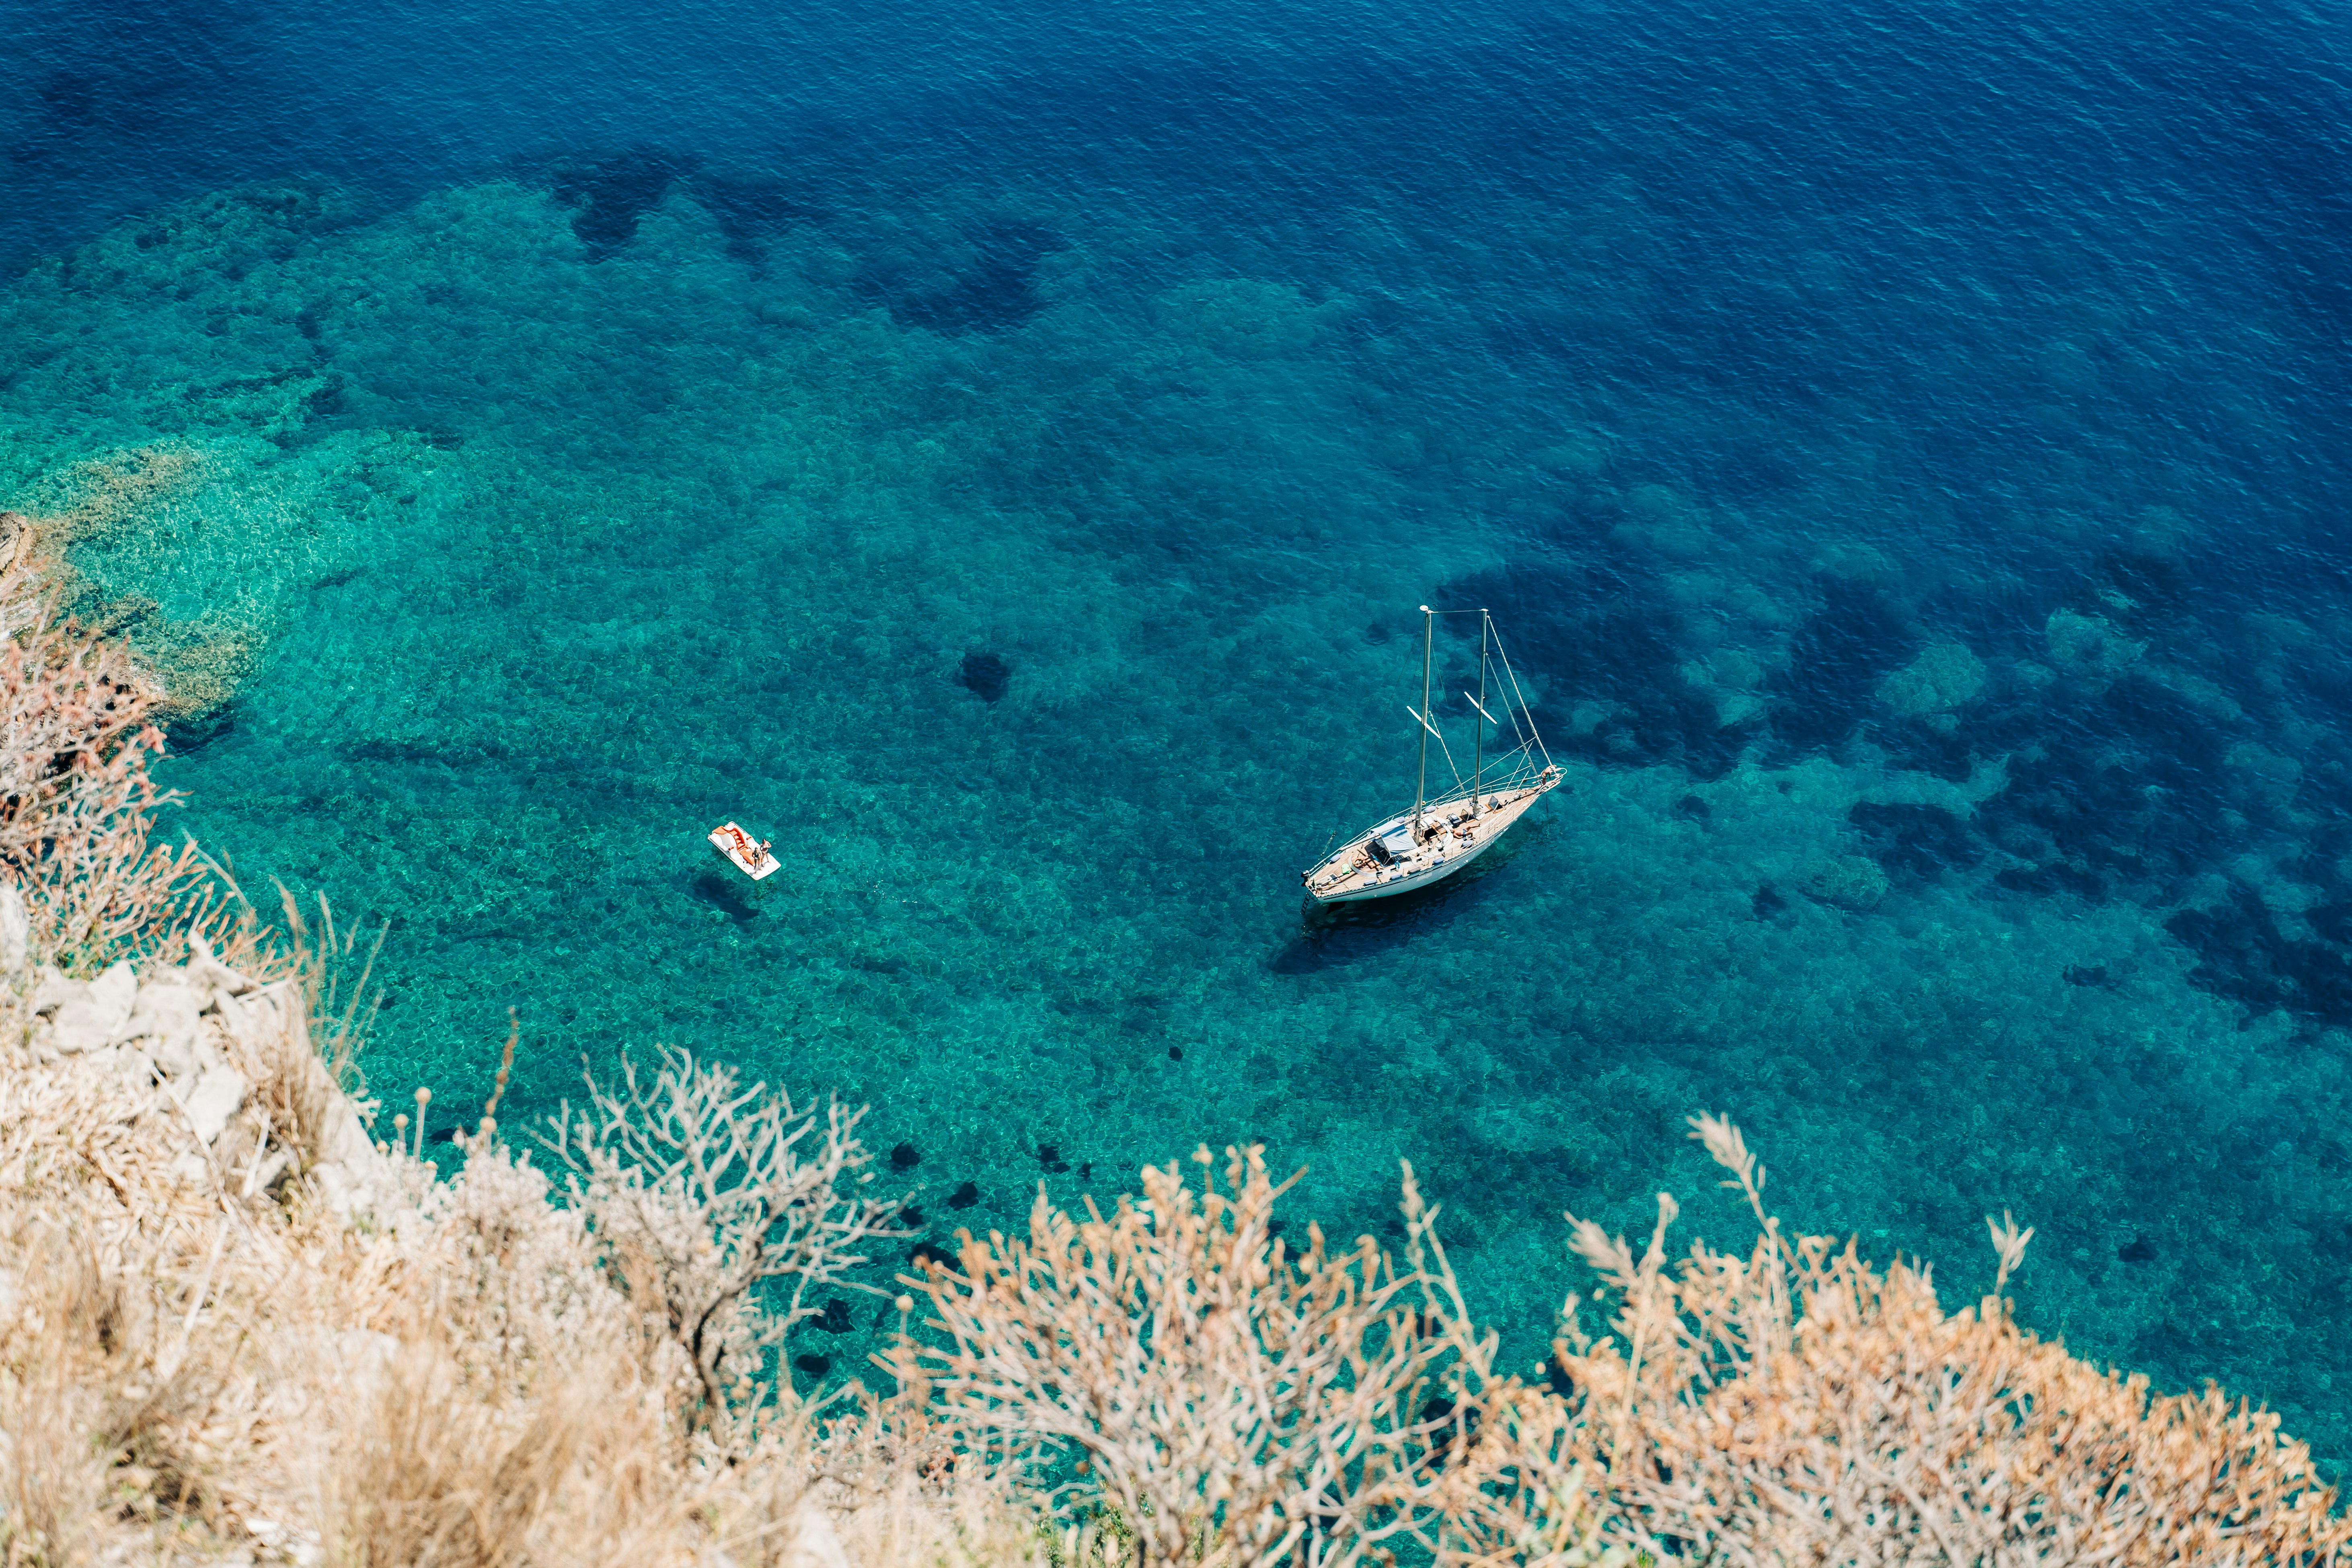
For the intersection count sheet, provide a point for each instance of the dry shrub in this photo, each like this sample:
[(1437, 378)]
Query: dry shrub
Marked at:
[(1798, 1405), (67, 1391), (699, 1190), (522, 1410), (885, 1486), (1234, 1398), (78, 804), (450, 1463), (1535, 1496), (499, 1407)]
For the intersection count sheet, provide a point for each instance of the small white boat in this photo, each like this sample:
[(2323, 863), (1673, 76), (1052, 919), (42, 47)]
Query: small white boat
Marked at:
[(745, 853), (1439, 837)]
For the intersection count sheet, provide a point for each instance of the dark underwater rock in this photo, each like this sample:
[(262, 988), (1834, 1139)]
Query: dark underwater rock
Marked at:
[(986, 675), (614, 192), (1857, 637), (1915, 841), (1606, 629), (752, 211), (988, 285)]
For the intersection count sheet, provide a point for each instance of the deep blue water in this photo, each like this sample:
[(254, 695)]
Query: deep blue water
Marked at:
[(1902, 443)]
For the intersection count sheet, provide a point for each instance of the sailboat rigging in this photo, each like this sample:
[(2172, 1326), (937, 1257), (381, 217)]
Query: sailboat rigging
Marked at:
[(1438, 837)]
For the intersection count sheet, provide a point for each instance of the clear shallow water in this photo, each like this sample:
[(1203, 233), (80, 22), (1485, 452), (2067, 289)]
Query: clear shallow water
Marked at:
[(1903, 444)]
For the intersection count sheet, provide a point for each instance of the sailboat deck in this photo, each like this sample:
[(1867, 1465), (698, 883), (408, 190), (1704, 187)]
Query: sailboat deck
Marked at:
[(1453, 836)]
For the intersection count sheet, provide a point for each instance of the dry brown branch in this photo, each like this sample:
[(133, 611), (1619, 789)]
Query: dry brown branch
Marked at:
[(699, 1190), (487, 1127), (1232, 1397), (1535, 1494), (1798, 1405), (78, 805)]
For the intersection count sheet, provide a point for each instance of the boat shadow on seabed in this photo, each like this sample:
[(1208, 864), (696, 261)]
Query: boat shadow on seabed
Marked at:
[(1331, 936)]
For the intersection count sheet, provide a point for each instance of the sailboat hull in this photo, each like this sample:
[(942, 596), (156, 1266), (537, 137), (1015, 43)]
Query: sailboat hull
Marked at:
[(1409, 883), (1356, 874)]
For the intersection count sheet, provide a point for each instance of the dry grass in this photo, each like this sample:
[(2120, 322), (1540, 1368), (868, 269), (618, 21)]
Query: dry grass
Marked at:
[(189, 1365)]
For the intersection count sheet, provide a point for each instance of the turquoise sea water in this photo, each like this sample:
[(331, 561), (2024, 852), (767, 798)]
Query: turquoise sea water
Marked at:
[(997, 454)]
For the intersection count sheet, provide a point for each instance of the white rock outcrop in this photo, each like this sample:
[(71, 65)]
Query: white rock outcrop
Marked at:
[(200, 1034)]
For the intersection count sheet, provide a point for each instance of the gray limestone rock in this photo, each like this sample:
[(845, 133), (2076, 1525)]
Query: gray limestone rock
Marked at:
[(169, 1018), (345, 1192), (54, 990), (218, 1093), (254, 1020), (346, 1141), (94, 1019), (116, 989), (208, 974)]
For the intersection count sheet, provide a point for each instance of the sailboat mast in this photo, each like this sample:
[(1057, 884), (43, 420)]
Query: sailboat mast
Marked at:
[(1421, 789), (1478, 767)]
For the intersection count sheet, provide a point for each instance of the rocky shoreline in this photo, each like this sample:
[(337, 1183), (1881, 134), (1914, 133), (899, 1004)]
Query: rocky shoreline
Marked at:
[(201, 1036)]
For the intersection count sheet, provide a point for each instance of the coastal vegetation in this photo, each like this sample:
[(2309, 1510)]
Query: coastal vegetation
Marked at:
[(248, 1313)]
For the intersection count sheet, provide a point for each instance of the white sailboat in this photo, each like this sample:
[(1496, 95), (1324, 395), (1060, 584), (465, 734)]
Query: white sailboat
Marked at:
[(1439, 837)]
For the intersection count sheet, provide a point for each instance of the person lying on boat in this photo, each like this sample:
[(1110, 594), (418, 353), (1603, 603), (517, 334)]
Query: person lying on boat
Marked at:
[(754, 855)]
